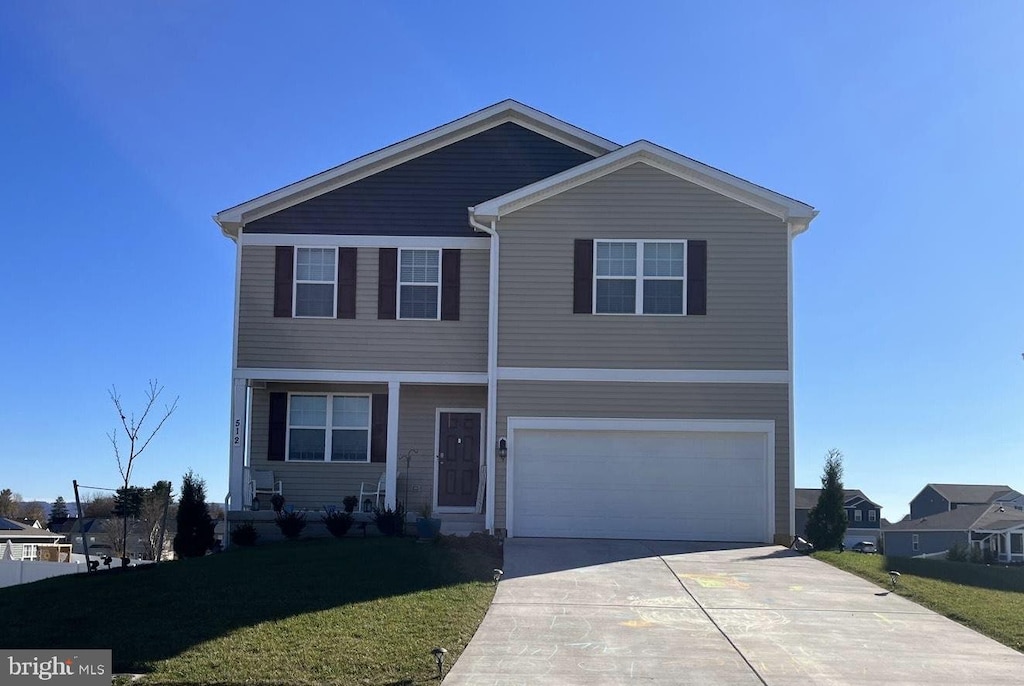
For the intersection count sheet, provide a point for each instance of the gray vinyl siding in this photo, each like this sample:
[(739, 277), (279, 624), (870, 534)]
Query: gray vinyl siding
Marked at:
[(651, 401), (900, 543), (428, 195), (746, 323), (308, 485), (928, 502), (365, 342)]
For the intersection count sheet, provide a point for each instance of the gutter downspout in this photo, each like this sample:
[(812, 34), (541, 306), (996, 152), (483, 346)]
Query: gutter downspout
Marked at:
[(492, 366)]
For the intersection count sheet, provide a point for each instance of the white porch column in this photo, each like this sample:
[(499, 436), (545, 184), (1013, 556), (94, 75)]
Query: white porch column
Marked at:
[(239, 431), (391, 463), (1007, 555)]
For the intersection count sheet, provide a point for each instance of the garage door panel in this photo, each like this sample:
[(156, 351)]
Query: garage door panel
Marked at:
[(639, 484)]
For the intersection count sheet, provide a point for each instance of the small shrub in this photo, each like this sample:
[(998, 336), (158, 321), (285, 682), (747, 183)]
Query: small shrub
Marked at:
[(277, 502), (244, 534), (350, 502), (957, 552), (338, 523), (291, 524), (390, 522), (975, 555)]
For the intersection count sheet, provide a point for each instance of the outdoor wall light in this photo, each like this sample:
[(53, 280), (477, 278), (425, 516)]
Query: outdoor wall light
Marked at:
[(502, 447)]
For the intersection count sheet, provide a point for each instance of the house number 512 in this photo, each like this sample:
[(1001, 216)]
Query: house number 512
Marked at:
[(238, 432)]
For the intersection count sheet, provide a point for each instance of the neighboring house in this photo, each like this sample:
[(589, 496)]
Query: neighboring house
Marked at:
[(936, 498), (104, 536), (864, 517), (995, 528), (525, 326), (25, 539)]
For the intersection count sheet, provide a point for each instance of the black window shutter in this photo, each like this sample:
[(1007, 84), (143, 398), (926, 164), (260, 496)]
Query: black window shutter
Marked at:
[(696, 277), (379, 428), (347, 283), (278, 423), (387, 283), (283, 266), (451, 266), (583, 277)]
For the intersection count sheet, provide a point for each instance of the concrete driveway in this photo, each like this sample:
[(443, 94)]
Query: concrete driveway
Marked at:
[(615, 612)]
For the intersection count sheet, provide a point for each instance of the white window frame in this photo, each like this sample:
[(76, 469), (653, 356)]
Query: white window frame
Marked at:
[(872, 516), (639, 277), (30, 551), (858, 516), (915, 543), (295, 283), (398, 294), (329, 428)]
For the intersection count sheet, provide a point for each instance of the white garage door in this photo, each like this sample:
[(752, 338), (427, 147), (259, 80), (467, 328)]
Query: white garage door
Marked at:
[(641, 484)]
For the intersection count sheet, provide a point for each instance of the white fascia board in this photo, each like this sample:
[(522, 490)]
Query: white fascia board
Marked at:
[(798, 214), (773, 376), (366, 241), (630, 424), (231, 219), (360, 376)]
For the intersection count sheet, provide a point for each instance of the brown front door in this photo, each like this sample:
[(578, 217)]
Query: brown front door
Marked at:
[(458, 459)]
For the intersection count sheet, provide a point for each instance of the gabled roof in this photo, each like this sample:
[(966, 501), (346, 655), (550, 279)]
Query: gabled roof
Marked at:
[(785, 208), (806, 498), (966, 517), (969, 493), (231, 219), (10, 529)]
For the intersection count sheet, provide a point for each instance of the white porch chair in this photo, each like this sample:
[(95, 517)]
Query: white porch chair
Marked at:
[(263, 483), (377, 492)]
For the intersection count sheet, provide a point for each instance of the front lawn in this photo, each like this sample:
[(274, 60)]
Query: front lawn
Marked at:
[(322, 611), (980, 601)]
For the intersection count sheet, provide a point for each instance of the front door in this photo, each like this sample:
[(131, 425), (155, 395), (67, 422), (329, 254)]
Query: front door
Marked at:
[(458, 459)]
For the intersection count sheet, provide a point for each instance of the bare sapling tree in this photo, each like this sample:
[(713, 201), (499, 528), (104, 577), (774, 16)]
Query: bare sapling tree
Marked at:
[(128, 500)]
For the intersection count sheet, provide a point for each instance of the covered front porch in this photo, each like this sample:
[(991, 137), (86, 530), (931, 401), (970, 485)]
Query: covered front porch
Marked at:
[(1006, 545), (415, 439)]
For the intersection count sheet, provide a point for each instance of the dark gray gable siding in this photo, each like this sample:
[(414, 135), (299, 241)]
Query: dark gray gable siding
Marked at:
[(901, 543), (428, 195), (928, 503)]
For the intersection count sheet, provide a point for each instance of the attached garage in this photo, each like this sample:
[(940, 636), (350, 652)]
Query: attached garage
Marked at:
[(700, 480)]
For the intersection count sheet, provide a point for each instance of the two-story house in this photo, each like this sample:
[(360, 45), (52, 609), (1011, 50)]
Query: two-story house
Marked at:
[(936, 498), (518, 321), (863, 515)]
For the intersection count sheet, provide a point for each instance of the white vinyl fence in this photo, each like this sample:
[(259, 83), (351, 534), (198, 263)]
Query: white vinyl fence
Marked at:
[(14, 572)]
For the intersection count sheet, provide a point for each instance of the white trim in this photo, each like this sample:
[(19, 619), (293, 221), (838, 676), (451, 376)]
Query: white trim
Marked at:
[(328, 427), (765, 426), (639, 278), (492, 380), (468, 509), (238, 300), (231, 219), (797, 213), (360, 376), (644, 375), (400, 283), (237, 440), (391, 454), (306, 240), (333, 283), (789, 365)]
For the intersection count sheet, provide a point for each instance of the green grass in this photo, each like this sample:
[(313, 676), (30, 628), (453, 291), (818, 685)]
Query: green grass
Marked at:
[(323, 611), (987, 599)]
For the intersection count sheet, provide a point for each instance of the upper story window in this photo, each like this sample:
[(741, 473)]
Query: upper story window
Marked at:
[(315, 286), (639, 277), (329, 428), (857, 515), (419, 284), (872, 515)]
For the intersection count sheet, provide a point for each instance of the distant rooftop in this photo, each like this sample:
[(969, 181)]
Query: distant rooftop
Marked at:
[(972, 493), (806, 498)]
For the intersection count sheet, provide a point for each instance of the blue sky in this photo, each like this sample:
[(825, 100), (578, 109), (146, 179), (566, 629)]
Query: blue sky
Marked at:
[(126, 125)]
